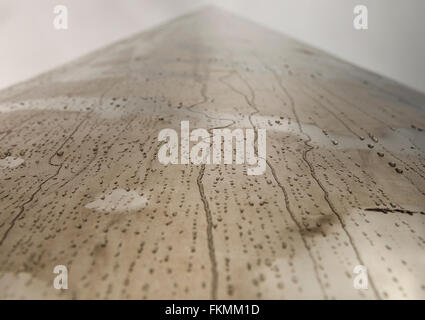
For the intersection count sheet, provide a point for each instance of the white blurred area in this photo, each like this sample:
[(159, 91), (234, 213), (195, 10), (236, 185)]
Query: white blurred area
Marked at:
[(30, 44), (393, 46)]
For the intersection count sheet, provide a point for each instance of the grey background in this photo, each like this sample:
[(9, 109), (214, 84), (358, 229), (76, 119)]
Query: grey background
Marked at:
[(394, 44)]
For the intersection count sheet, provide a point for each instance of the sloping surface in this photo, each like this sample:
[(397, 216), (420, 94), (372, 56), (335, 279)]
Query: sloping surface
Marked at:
[(81, 185)]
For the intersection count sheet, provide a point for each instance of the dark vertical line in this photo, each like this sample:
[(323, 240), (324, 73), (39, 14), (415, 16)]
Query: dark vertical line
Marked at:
[(211, 248)]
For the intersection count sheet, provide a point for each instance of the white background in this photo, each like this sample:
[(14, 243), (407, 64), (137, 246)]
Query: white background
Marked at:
[(393, 46)]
